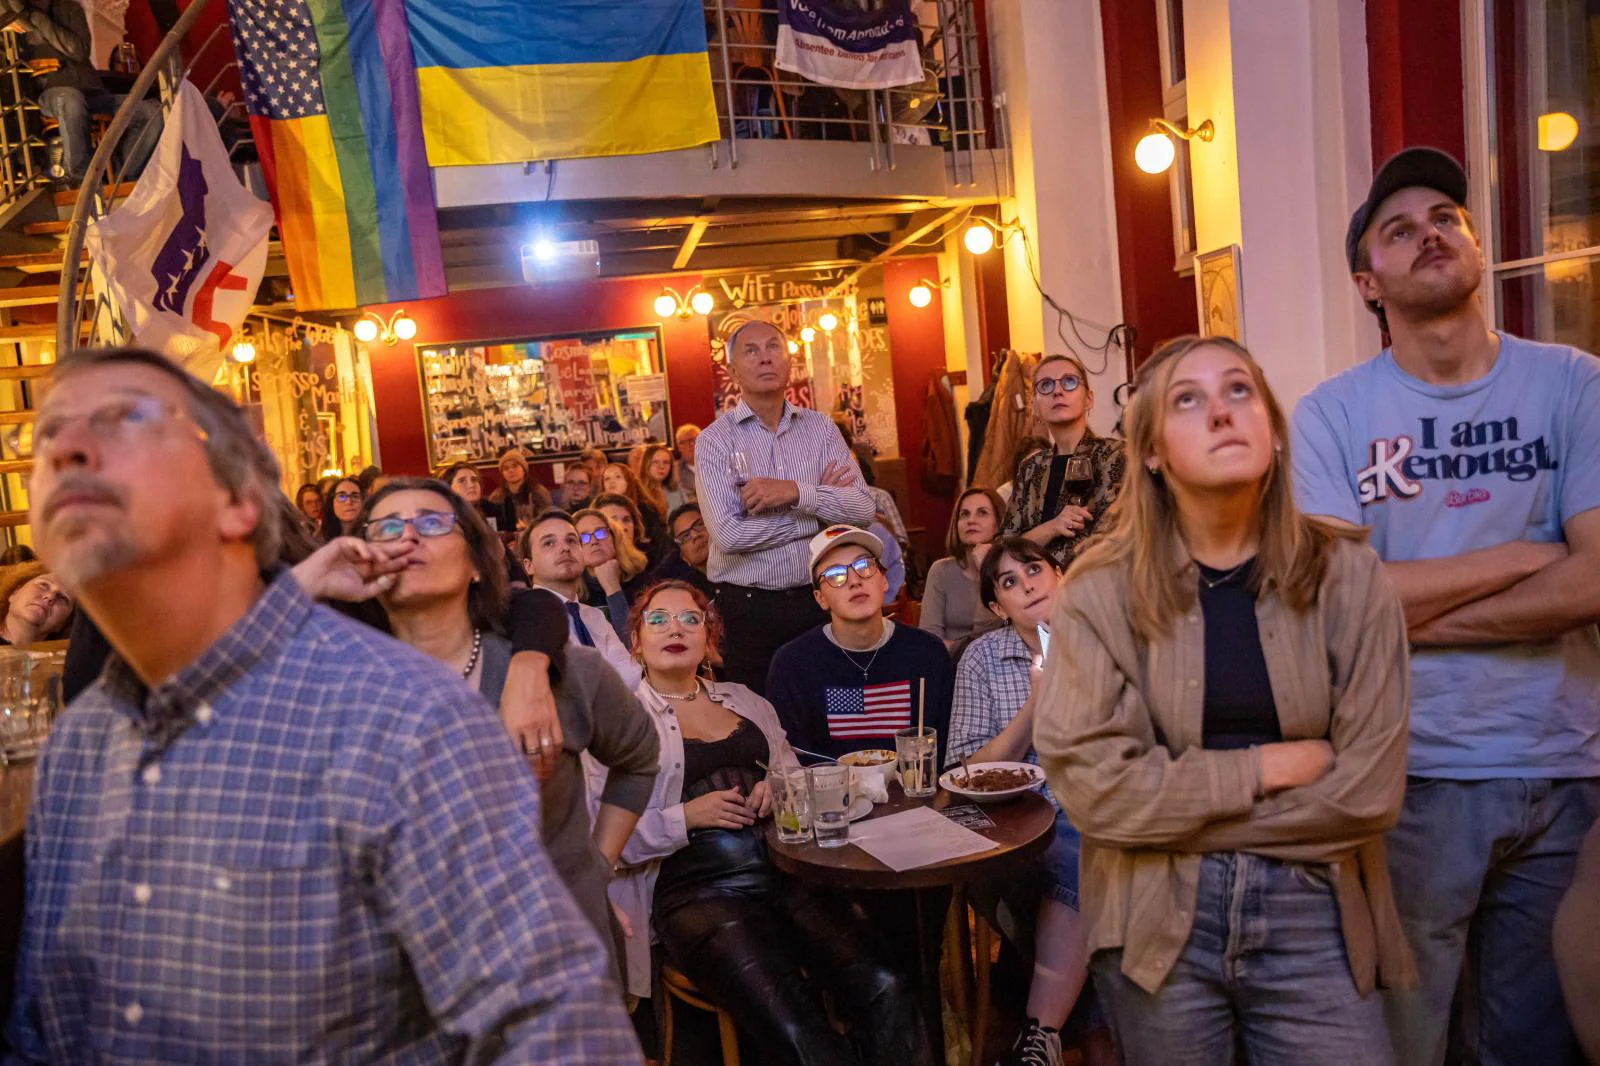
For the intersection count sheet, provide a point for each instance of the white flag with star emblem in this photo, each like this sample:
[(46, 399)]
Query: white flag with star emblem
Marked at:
[(183, 256)]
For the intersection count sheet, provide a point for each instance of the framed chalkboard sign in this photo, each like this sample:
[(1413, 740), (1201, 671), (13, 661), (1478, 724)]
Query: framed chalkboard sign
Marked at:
[(551, 395)]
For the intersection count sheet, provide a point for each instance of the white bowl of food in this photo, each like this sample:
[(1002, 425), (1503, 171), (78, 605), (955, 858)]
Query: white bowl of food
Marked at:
[(871, 762), (992, 782)]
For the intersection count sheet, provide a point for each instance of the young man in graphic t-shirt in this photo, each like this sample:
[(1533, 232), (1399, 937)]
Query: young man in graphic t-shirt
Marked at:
[(1474, 458)]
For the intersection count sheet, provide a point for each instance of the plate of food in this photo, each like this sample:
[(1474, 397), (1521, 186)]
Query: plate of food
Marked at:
[(992, 782), (876, 762)]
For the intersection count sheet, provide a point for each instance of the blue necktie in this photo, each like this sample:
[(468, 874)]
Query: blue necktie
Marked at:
[(584, 636)]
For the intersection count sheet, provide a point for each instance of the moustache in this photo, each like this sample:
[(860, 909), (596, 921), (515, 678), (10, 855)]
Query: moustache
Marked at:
[(80, 486)]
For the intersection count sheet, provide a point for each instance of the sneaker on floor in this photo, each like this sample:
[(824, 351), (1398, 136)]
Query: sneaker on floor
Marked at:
[(1036, 1045)]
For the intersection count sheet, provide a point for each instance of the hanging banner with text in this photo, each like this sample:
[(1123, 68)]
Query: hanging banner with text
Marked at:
[(833, 44)]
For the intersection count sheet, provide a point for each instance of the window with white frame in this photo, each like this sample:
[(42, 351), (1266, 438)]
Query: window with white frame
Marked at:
[(1175, 109), (1534, 104)]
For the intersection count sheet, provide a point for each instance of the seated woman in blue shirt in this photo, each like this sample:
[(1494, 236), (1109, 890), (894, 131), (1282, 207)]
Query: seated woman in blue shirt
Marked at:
[(991, 720)]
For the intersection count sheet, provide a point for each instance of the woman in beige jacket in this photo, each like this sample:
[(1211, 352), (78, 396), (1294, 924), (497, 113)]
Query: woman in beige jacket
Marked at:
[(1224, 721)]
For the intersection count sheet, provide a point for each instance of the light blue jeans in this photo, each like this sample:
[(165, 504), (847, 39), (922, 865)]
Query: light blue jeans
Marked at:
[(1479, 868), (1264, 973)]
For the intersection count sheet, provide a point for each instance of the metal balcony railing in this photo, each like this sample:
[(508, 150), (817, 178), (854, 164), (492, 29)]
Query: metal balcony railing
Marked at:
[(756, 101)]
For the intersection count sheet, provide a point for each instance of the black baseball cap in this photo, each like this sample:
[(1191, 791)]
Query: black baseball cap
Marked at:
[(1429, 168)]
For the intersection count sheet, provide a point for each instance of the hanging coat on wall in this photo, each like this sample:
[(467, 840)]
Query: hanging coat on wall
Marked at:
[(1009, 421), (941, 442)]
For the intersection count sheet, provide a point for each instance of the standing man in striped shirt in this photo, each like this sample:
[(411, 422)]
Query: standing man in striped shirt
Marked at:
[(770, 476)]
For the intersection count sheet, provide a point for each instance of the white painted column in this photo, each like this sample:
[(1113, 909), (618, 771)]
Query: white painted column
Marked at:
[(1285, 83), (1049, 73)]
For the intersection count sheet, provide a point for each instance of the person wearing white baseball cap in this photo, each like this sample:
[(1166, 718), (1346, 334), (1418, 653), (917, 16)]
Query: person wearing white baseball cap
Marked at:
[(851, 683), (1473, 458)]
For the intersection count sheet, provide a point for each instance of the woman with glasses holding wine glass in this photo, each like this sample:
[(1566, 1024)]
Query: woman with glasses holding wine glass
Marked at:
[(1060, 495), (762, 946)]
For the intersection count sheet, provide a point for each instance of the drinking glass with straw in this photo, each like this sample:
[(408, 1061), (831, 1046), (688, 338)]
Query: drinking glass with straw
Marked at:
[(917, 752)]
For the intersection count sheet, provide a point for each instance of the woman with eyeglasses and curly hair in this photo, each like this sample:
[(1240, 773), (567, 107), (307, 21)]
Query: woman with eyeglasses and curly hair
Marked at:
[(1059, 496), (696, 869)]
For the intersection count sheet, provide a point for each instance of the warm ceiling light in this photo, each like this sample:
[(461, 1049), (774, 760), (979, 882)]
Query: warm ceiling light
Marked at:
[(702, 303), (366, 330), (808, 334), (979, 238), (920, 295), (828, 321), (793, 348), (404, 326), (666, 305), (1557, 131), (244, 352), (1155, 151)]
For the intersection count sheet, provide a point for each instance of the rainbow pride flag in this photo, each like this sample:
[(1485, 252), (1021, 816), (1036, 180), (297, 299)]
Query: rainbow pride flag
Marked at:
[(506, 81), (332, 92)]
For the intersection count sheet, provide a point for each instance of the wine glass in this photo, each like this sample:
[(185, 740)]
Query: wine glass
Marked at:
[(1079, 480), (739, 474)]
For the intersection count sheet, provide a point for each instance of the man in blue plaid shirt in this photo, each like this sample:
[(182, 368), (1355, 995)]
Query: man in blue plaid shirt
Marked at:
[(267, 834)]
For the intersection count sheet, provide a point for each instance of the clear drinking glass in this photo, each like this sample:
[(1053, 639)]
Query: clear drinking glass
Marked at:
[(791, 805), (917, 752), (739, 473), (830, 804)]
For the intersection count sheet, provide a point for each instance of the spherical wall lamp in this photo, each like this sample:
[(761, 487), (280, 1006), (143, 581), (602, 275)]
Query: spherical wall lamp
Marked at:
[(1154, 153), (404, 326), (828, 321), (808, 334), (666, 305), (921, 295), (702, 303), (366, 330), (794, 349), (244, 351), (979, 238)]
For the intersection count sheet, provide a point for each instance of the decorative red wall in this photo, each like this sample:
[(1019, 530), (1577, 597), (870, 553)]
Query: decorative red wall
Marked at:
[(1415, 76), (916, 343), (531, 311), (1157, 301)]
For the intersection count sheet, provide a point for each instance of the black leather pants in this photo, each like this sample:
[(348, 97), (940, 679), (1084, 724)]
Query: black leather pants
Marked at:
[(745, 941)]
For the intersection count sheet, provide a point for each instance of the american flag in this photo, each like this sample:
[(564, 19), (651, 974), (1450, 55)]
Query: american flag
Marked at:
[(279, 58), (869, 711)]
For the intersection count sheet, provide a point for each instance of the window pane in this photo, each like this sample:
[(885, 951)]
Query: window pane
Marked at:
[(1176, 70), (1556, 302), (1544, 97)]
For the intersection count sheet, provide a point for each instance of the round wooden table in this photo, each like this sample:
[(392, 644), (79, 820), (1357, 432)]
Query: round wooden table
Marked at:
[(1023, 828)]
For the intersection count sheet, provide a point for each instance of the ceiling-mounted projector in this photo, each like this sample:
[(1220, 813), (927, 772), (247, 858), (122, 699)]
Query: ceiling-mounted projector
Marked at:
[(547, 260)]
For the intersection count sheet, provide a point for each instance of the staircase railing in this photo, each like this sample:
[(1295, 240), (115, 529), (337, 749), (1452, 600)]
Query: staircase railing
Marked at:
[(82, 321)]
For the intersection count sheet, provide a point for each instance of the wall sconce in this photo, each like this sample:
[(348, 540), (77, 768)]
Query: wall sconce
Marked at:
[(370, 327), (828, 321), (244, 351), (1155, 150), (696, 301), (921, 294), (1557, 131), (979, 237), (808, 334)]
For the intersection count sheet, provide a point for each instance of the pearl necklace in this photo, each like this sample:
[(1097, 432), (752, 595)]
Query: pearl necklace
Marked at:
[(690, 698), (477, 650)]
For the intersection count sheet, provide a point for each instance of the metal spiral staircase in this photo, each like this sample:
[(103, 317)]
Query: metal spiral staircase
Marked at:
[(51, 240)]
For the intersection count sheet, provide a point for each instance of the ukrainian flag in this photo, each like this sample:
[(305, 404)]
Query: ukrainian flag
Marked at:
[(505, 81)]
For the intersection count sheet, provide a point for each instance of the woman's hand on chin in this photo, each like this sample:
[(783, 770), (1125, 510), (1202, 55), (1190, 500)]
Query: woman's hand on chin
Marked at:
[(352, 570)]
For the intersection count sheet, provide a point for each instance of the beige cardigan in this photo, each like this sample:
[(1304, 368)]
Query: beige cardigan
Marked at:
[(1119, 734)]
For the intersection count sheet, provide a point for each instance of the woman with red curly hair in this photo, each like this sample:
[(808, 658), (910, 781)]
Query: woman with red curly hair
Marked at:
[(696, 871)]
